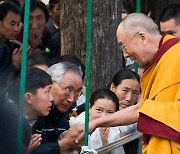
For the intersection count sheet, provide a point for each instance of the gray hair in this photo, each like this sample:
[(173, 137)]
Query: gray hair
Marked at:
[(58, 70), (137, 22)]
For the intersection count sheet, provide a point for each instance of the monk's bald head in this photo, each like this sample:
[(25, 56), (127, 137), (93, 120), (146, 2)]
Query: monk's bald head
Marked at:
[(138, 38), (137, 22)]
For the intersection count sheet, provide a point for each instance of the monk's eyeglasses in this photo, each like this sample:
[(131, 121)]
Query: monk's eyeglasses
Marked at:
[(123, 45)]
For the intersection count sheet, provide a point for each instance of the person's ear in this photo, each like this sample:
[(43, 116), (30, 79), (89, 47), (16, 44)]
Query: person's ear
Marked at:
[(28, 98), (143, 37), (112, 87)]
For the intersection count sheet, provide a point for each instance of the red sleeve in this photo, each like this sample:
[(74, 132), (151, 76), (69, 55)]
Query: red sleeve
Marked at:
[(153, 127)]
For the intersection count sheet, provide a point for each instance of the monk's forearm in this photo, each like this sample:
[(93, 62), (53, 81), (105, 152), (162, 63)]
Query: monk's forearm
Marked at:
[(123, 117)]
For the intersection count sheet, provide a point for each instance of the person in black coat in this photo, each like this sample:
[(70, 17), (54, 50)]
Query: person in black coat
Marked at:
[(66, 88)]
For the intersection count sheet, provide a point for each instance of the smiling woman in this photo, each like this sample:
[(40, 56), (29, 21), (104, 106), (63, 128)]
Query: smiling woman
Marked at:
[(102, 102)]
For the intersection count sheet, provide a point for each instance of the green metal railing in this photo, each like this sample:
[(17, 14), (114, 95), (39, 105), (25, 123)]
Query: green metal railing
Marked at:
[(133, 137), (138, 10), (88, 68), (23, 77)]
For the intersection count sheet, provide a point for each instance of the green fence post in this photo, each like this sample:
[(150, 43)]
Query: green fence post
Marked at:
[(88, 68), (23, 77), (138, 9)]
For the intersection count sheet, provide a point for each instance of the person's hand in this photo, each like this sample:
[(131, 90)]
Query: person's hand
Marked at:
[(104, 131), (16, 57), (92, 127), (29, 50), (17, 54), (68, 142), (34, 38), (34, 142)]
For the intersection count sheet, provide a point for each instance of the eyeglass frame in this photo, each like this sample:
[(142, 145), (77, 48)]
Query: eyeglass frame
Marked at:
[(122, 46), (68, 91)]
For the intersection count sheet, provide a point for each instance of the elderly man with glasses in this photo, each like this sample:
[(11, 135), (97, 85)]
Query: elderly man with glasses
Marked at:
[(66, 88)]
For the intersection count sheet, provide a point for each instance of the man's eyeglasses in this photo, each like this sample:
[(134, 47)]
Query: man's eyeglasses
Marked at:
[(70, 90), (123, 45)]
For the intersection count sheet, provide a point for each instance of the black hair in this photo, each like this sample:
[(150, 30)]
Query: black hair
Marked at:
[(35, 79), (124, 74), (104, 94), (36, 4), (38, 57), (170, 12), (52, 3), (5, 7), (16, 2), (71, 59)]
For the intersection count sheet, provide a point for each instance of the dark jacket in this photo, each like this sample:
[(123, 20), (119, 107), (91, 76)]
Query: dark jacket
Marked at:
[(50, 25), (6, 66), (50, 127), (54, 44), (9, 127)]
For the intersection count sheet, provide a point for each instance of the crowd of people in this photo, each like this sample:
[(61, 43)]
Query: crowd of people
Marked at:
[(148, 102), (43, 27)]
